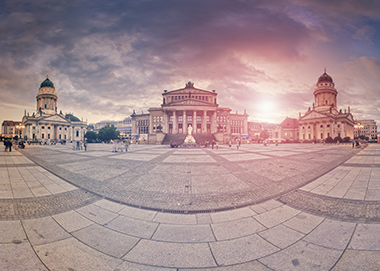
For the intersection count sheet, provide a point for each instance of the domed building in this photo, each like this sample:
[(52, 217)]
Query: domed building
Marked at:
[(46, 124), (324, 119)]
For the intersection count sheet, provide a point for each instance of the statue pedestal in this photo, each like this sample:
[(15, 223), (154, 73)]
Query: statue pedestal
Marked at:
[(189, 139)]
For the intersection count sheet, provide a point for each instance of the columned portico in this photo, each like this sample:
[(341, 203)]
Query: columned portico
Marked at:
[(175, 122), (194, 122)]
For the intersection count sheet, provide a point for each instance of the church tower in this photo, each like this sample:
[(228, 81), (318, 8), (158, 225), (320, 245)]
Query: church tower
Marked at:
[(47, 98), (325, 93)]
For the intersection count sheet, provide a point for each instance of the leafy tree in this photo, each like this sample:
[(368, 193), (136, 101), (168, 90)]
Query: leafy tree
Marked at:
[(329, 140), (91, 136), (347, 139), (264, 134), (338, 138), (108, 132)]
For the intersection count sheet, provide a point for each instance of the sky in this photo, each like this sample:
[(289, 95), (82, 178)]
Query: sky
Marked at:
[(108, 58)]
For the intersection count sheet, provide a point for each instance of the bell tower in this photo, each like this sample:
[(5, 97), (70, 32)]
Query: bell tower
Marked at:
[(325, 93), (47, 98)]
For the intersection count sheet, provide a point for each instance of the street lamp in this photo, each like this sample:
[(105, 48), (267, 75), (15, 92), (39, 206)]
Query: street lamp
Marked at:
[(358, 127), (20, 127)]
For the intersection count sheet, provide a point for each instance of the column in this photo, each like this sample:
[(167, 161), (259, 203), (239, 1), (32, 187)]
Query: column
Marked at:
[(150, 123), (166, 123), (213, 122), (175, 123), (194, 122), (184, 123), (204, 123)]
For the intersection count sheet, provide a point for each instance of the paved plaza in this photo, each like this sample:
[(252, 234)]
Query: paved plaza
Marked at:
[(287, 207)]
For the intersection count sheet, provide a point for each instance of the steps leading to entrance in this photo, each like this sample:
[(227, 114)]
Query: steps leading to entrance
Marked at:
[(180, 138)]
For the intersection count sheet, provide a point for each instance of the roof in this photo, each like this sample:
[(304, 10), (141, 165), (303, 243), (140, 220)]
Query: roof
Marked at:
[(289, 123), (11, 123), (325, 78), (47, 83), (71, 117)]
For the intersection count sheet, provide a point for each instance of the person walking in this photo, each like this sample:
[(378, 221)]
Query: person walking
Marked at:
[(5, 145), (10, 145)]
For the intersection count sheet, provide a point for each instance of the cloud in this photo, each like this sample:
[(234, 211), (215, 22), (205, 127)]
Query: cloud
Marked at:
[(107, 58)]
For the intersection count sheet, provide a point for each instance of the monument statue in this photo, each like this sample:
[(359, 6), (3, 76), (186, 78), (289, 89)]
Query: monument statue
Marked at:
[(189, 138)]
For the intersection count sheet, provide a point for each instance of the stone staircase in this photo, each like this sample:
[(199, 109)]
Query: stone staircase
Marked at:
[(180, 138)]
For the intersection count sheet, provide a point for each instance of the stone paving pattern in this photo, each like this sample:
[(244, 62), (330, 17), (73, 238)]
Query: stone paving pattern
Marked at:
[(286, 207)]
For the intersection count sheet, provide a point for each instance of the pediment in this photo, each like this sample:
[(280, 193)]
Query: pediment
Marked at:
[(54, 118), (190, 102), (313, 115), (189, 90)]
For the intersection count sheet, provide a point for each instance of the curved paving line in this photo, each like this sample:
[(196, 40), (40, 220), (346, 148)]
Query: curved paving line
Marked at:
[(187, 202), (28, 208), (348, 210), (360, 165)]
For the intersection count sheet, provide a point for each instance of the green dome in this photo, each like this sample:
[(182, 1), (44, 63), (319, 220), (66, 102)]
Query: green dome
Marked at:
[(47, 83)]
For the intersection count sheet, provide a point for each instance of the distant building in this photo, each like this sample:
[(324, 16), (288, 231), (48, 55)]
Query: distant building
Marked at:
[(324, 120), (367, 128), (123, 126), (9, 128), (288, 130), (190, 106), (46, 124)]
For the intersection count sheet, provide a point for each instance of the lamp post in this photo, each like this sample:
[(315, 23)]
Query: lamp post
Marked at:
[(20, 127), (358, 127)]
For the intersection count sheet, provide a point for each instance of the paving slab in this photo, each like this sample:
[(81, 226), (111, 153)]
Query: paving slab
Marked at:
[(20, 257), (71, 254), (105, 240), (164, 254), (184, 233), (241, 250), (236, 228), (302, 256)]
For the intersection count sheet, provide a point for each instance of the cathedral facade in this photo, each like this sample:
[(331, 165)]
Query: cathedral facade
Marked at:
[(324, 120), (190, 106), (46, 124)]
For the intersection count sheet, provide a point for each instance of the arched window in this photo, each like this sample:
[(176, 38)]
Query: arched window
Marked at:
[(77, 133)]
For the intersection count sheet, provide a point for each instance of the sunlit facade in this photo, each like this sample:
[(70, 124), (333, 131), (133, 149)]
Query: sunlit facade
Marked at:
[(324, 120), (190, 106), (366, 128), (46, 125)]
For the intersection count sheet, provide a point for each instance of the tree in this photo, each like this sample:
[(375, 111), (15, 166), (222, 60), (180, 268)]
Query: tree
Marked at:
[(108, 132), (264, 134), (91, 136)]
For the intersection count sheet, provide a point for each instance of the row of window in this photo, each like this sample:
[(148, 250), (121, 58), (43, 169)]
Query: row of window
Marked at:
[(43, 127), (201, 98), (321, 126)]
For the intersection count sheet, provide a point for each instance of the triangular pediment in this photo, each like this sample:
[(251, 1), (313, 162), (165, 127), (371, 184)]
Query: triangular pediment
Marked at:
[(54, 118), (189, 90), (313, 115), (189, 102)]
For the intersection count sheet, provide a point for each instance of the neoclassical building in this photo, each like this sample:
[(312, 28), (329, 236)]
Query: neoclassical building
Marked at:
[(46, 124), (190, 106), (324, 119)]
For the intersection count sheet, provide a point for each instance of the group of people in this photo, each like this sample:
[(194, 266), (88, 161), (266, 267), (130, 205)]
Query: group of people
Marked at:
[(120, 146), (79, 145), (8, 145)]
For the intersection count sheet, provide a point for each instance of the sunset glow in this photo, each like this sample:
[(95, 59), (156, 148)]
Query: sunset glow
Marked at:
[(116, 57)]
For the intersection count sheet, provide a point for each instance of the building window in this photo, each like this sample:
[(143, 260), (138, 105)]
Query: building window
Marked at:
[(180, 118), (42, 127), (77, 133), (199, 118), (328, 125), (321, 126), (49, 128), (321, 135), (48, 136), (43, 136)]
